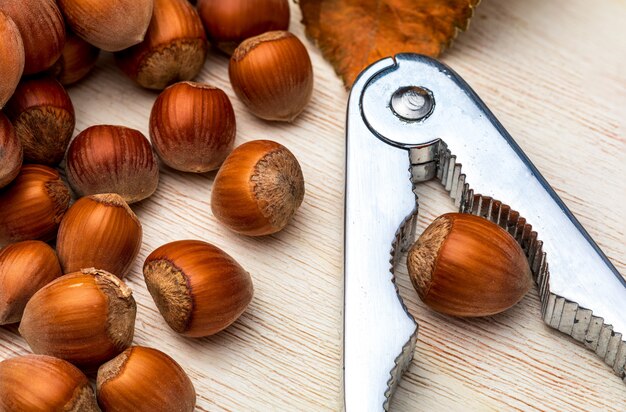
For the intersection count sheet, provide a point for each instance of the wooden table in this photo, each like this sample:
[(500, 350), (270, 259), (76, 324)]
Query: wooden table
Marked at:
[(554, 73)]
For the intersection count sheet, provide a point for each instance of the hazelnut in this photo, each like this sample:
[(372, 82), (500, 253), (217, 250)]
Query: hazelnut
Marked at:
[(162, 384), (198, 288), (44, 383), (258, 188), (174, 48), (25, 267), (99, 231), (11, 56), (43, 31), (85, 318), (273, 76), (77, 60), (192, 127), (110, 25), (228, 23), (11, 153), (112, 159), (464, 265), (32, 205), (43, 116)]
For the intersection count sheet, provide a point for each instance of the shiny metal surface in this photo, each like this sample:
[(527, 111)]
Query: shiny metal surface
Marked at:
[(583, 295), (378, 197), (412, 103)]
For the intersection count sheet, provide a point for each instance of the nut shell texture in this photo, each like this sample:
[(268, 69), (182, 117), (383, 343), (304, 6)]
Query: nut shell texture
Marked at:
[(85, 318), (77, 60), (112, 159), (25, 267), (192, 127), (99, 231), (11, 153), (43, 116), (174, 48), (258, 189), (33, 205), (464, 265), (228, 23), (198, 288), (110, 25), (11, 56), (42, 28), (144, 380), (272, 75), (39, 383)]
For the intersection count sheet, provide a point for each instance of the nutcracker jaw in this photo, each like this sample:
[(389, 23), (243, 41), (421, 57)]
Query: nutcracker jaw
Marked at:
[(406, 116)]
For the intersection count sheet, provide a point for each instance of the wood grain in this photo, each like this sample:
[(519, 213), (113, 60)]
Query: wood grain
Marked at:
[(553, 73)]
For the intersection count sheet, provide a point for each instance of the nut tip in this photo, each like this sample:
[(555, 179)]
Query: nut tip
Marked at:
[(115, 200), (112, 368), (250, 44)]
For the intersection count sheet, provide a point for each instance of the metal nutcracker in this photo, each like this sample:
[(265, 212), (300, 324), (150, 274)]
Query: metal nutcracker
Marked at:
[(412, 119)]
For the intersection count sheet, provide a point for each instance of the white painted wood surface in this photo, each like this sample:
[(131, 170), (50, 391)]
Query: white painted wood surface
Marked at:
[(554, 73)]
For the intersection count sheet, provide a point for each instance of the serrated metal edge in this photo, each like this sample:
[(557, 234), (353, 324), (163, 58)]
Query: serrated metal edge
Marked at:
[(558, 312), (404, 234)]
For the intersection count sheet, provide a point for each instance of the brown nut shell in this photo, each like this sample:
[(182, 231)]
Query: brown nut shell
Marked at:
[(43, 116), (99, 231), (112, 159), (11, 56), (192, 127), (174, 48), (77, 60), (33, 205), (465, 265), (110, 25), (42, 28), (11, 153), (25, 267), (38, 383), (272, 75), (165, 385), (258, 188), (228, 23), (85, 318), (198, 288)]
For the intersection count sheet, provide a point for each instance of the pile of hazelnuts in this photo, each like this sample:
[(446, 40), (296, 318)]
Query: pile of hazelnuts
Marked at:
[(75, 312)]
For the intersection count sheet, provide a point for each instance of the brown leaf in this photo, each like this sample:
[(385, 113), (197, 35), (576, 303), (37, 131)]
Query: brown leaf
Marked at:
[(355, 33)]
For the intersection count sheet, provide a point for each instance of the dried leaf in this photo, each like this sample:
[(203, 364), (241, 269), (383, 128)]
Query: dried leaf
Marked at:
[(355, 33)]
